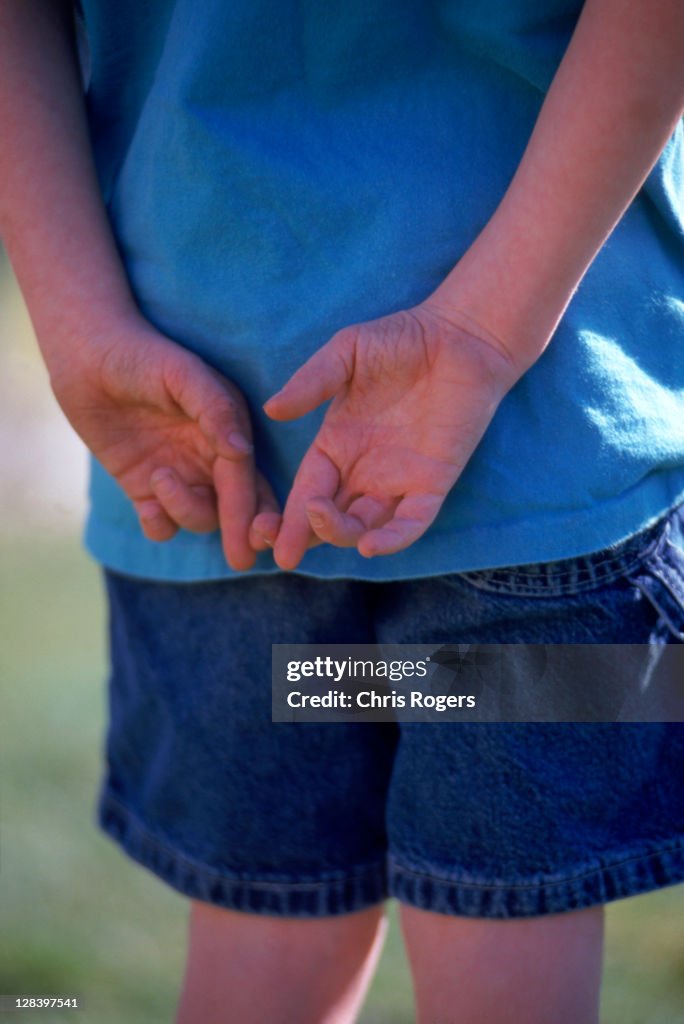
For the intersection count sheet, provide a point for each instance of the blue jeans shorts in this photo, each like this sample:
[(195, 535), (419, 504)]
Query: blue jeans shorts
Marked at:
[(312, 819)]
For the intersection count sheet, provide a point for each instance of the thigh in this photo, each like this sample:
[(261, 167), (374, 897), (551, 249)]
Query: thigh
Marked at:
[(279, 970), (474, 971)]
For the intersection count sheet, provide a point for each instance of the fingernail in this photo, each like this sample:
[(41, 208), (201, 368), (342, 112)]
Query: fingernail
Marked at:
[(149, 512), (240, 442), (161, 478)]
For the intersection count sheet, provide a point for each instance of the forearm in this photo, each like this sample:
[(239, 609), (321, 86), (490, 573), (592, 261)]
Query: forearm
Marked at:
[(612, 106), (52, 217)]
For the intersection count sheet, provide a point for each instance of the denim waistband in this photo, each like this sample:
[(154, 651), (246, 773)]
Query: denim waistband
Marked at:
[(579, 573)]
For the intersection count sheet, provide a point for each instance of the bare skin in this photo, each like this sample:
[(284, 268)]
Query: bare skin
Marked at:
[(618, 93), (174, 433), (413, 395), (535, 969), (465, 970), (144, 405), (251, 969)]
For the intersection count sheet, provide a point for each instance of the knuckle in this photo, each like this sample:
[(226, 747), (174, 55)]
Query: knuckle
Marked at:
[(218, 410), (343, 344), (177, 376)]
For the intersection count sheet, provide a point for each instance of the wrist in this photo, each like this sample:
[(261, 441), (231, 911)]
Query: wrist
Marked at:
[(509, 288), (71, 341), (519, 336), (480, 358)]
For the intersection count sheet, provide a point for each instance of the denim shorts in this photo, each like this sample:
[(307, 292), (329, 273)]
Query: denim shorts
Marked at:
[(310, 819)]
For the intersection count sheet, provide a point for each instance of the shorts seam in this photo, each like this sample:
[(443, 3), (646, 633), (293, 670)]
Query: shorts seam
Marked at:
[(667, 848), (343, 891), (671, 580), (609, 881), (150, 838), (554, 585), (547, 582)]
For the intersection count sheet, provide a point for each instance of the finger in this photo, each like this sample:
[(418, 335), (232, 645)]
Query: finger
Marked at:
[(316, 381), (264, 533), (208, 399), (317, 476), (266, 523), (154, 522), (373, 511), (192, 508), (343, 529), (413, 515), (344, 496), (264, 530), (235, 484)]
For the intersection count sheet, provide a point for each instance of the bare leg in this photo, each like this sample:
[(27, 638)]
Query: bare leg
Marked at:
[(481, 971), (252, 968)]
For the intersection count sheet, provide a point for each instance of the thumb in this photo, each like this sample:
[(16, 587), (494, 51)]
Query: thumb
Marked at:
[(213, 402), (319, 379)]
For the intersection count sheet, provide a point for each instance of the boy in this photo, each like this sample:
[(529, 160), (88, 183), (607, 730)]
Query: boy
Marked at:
[(271, 176)]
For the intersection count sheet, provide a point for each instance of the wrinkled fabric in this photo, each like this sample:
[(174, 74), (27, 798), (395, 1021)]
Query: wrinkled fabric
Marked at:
[(275, 171), (307, 819)]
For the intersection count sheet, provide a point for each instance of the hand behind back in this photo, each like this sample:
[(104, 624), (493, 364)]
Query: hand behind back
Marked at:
[(412, 394), (174, 433)]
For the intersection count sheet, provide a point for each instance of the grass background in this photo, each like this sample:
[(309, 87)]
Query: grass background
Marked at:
[(76, 916)]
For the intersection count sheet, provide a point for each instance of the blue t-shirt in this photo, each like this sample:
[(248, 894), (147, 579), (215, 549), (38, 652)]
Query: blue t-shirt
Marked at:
[(276, 170)]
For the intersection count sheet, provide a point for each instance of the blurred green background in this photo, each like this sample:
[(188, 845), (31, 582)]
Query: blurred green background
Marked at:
[(76, 916)]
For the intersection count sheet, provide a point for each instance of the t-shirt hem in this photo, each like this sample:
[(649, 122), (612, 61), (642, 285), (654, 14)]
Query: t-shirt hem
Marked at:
[(194, 558)]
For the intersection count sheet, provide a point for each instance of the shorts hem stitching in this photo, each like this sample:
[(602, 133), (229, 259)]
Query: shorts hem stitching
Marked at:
[(353, 889), (608, 881)]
